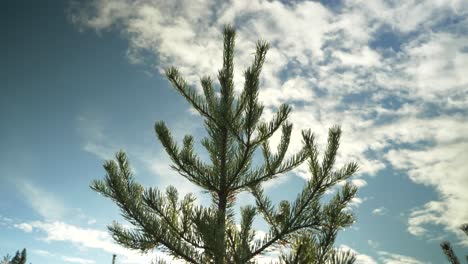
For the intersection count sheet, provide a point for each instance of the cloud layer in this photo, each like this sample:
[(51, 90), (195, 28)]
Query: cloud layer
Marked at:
[(85, 239), (391, 73)]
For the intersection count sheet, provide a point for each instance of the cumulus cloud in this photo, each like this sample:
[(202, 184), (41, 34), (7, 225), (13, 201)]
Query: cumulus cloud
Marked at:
[(356, 201), (88, 238), (359, 182), (443, 168), (383, 256), (389, 96), (43, 253), (380, 211), (25, 227), (77, 260), (391, 258), (360, 257)]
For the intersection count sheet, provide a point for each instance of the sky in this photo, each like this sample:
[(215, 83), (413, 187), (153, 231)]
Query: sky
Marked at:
[(81, 80)]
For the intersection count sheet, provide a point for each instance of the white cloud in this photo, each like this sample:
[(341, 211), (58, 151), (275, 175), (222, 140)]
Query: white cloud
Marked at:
[(89, 239), (5, 219), (356, 182), (328, 57), (77, 260), (43, 202), (95, 141), (356, 202), (142, 158), (359, 183), (360, 258), (380, 211), (436, 64), (160, 165), (364, 259), (43, 253), (373, 244), (384, 257), (363, 57), (443, 168), (407, 16), (24, 226), (47, 204), (391, 258)]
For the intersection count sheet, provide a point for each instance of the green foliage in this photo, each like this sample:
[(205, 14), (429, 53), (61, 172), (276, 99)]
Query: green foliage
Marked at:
[(311, 251), (19, 258), (448, 251), (235, 132)]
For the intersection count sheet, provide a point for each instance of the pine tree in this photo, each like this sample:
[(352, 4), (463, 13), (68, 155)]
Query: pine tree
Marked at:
[(200, 234), (19, 258), (448, 251)]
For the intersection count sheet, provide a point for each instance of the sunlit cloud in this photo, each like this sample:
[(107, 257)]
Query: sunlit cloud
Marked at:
[(394, 101), (86, 238)]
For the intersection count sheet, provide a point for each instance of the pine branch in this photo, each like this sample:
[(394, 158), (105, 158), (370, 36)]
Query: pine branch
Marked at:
[(464, 228), (268, 170), (185, 162), (342, 257), (240, 240), (171, 214), (188, 93), (296, 217), (447, 248), (266, 131), (210, 95), (265, 207), (119, 185), (448, 251)]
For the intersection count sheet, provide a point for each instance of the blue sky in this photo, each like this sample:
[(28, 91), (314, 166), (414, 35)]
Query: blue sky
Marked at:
[(81, 80)]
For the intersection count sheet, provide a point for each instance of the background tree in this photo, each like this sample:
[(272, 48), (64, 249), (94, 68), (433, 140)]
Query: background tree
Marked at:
[(235, 131), (448, 251), (19, 258)]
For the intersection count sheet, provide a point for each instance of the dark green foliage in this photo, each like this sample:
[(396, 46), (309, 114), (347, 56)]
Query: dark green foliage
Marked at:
[(235, 130), (448, 251), (19, 258)]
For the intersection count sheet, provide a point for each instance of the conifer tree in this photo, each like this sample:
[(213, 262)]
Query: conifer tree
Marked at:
[(235, 131), (19, 258)]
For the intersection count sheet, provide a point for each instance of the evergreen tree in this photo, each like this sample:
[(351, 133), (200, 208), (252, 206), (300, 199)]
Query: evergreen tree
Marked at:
[(448, 251), (19, 258), (200, 234)]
